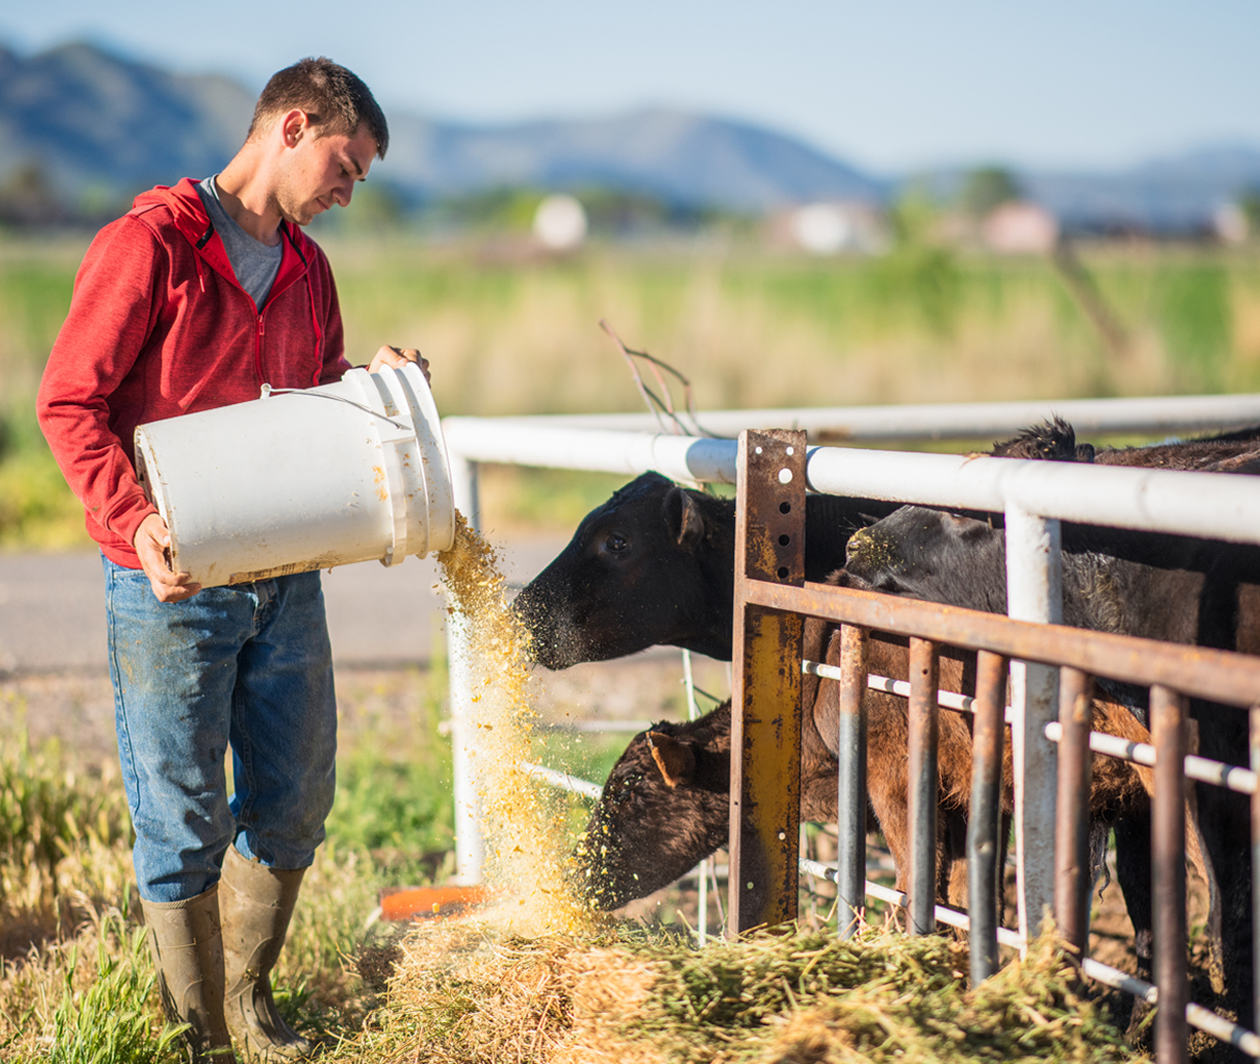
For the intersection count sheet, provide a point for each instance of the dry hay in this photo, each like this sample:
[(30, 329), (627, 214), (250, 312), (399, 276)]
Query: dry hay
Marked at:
[(465, 991)]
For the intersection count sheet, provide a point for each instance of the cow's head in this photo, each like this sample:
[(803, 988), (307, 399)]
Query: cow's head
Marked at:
[(665, 807), (637, 572), (934, 555)]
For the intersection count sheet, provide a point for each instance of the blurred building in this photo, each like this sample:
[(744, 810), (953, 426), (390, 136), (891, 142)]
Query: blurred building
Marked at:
[(834, 227), (1019, 227), (1230, 224), (560, 223)]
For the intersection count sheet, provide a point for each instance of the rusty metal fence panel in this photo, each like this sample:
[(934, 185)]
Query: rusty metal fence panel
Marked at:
[(1172, 673)]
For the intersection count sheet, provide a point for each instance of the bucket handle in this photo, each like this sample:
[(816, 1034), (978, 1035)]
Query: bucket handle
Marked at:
[(268, 390)]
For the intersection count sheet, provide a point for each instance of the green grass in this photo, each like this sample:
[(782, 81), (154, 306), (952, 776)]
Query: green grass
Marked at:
[(748, 329), (75, 976), (111, 1020)]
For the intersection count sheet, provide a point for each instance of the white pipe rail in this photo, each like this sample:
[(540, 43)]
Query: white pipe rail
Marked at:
[(1215, 506), (1176, 414)]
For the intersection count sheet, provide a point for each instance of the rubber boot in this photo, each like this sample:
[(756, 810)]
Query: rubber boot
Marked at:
[(256, 903), (188, 952)]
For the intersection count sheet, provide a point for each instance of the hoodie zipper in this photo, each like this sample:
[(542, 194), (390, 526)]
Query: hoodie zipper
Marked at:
[(259, 332)]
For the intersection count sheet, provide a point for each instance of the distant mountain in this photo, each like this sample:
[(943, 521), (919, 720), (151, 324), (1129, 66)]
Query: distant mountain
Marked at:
[(681, 158), (1173, 192), (101, 126), (96, 120)]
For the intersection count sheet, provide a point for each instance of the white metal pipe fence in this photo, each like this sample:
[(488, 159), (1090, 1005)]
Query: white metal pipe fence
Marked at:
[(1029, 493)]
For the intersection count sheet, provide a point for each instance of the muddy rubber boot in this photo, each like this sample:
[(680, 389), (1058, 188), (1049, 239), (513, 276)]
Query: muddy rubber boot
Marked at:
[(256, 903), (188, 952)]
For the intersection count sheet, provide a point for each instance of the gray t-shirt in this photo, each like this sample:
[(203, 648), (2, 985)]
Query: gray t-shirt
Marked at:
[(256, 264)]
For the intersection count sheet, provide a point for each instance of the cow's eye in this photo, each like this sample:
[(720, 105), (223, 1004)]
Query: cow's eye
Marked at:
[(615, 542)]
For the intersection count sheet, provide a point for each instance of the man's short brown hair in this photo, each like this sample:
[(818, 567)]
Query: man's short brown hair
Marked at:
[(330, 95)]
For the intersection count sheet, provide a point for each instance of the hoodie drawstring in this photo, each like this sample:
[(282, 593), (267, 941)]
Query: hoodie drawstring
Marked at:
[(319, 332)]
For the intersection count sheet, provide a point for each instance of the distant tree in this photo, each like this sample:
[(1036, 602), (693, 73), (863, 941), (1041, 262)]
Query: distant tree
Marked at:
[(504, 209), (28, 198), (1249, 206), (920, 273), (987, 187)]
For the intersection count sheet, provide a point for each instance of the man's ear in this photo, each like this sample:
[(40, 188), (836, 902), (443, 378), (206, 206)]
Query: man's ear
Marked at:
[(676, 760), (683, 516), (294, 126)]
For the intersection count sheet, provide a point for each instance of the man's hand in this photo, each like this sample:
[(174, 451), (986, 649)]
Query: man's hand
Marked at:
[(152, 543), (399, 357)]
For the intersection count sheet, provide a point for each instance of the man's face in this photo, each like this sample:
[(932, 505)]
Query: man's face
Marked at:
[(320, 171)]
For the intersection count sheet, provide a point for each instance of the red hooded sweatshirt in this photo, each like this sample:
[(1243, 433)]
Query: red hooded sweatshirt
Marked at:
[(159, 326)]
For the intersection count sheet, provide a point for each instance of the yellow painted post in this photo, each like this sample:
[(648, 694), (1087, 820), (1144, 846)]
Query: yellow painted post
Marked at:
[(766, 706)]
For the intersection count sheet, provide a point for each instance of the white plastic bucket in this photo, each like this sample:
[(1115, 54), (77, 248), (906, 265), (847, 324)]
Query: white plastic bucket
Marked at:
[(303, 479)]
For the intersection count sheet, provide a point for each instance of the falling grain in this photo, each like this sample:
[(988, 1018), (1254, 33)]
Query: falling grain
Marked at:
[(526, 846)]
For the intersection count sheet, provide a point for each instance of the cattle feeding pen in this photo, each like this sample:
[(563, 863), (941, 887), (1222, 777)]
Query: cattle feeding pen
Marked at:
[(1049, 747)]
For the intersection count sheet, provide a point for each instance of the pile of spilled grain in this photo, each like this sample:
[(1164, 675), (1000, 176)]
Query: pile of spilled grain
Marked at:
[(463, 991), (526, 844)]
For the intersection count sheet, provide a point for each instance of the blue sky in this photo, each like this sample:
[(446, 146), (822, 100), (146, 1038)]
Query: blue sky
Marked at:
[(888, 87)]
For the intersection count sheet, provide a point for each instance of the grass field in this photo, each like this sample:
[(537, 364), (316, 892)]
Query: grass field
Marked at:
[(507, 336)]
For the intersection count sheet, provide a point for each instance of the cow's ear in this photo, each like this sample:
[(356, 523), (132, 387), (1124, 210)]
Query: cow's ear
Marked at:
[(686, 522), (676, 760)]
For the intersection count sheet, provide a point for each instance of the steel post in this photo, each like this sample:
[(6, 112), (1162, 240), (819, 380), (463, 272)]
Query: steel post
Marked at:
[(766, 701), (469, 843), (924, 731), (1034, 593), (851, 797), (1168, 846), (1071, 853), (983, 829), (1254, 735)]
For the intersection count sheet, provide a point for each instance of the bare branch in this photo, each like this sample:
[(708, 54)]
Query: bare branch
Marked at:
[(661, 405)]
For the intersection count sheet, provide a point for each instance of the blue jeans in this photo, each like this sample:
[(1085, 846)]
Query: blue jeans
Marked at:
[(247, 666)]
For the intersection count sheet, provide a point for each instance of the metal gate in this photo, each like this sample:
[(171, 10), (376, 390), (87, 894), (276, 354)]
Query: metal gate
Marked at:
[(771, 597)]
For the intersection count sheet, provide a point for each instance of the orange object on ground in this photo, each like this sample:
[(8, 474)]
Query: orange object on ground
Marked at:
[(407, 903)]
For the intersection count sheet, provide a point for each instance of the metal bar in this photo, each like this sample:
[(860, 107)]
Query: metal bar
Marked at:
[(1168, 846), (984, 823), (766, 701), (1221, 675), (1196, 1015), (702, 890), (923, 739), (941, 913), (851, 792), (469, 843), (1071, 848), (1215, 507), (1231, 777), (1254, 744), (1154, 415), (563, 780), (1176, 501), (1034, 571)]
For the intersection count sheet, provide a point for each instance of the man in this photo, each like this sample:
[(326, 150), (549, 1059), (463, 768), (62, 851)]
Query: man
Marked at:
[(194, 299)]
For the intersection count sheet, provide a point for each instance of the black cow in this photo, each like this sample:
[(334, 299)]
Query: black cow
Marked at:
[(1173, 588), (655, 564)]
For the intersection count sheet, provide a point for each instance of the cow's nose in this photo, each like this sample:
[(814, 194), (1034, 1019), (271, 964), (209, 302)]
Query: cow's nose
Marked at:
[(858, 543)]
